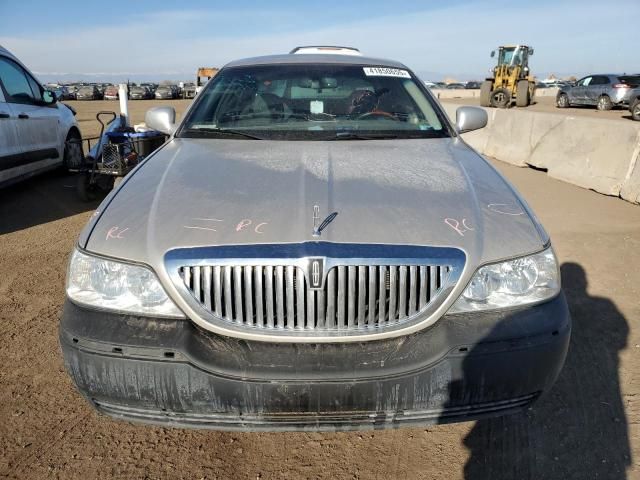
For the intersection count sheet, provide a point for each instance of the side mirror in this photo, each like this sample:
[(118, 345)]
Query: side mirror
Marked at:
[(531, 51), (493, 53), (49, 97), (162, 119), (470, 118)]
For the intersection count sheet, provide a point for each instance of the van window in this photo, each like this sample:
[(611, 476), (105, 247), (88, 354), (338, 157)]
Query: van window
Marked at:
[(15, 82), (35, 88)]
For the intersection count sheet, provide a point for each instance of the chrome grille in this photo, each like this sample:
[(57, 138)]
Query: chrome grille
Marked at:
[(352, 297)]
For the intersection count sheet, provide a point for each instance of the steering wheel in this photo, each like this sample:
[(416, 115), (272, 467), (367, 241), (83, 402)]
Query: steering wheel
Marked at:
[(378, 113), (321, 117)]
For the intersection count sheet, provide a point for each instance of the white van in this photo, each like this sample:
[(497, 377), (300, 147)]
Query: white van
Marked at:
[(34, 128)]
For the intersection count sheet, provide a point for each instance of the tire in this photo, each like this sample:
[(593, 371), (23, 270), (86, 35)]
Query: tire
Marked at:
[(604, 103), (635, 110), (562, 101), (86, 191), (522, 93), (500, 98), (485, 93), (73, 154)]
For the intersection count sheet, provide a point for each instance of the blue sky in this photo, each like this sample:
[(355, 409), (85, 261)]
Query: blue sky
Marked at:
[(167, 39)]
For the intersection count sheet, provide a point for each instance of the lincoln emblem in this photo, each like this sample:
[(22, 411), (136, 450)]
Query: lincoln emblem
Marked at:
[(315, 272)]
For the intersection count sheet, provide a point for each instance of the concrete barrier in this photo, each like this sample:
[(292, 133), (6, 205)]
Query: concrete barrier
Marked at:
[(631, 186), (599, 154), (443, 94)]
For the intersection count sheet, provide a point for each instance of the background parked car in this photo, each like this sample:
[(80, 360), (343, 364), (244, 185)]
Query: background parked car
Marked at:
[(472, 85), (111, 93), (165, 92), (455, 86), (604, 91), (73, 91), (151, 87), (139, 93), (88, 92), (34, 127), (67, 94)]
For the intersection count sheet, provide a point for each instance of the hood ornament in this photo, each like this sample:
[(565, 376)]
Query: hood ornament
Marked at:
[(319, 226)]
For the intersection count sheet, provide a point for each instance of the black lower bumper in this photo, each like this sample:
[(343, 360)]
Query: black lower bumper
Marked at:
[(173, 373)]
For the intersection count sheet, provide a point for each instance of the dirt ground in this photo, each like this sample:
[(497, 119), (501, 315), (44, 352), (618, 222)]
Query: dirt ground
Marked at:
[(548, 104), (587, 427)]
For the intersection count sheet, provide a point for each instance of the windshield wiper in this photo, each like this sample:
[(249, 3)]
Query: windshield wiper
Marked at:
[(350, 135), (206, 132), (355, 135)]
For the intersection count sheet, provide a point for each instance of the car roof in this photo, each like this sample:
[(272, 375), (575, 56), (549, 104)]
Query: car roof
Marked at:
[(314, 59), (4, 51), (8, 54), (606, 75)]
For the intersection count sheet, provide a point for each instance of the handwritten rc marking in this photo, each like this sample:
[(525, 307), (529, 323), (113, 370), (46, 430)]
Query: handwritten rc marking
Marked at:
[(459, 226), (116, 233)]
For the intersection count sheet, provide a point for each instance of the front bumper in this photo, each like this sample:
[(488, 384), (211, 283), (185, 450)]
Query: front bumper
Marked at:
[(173, 373)]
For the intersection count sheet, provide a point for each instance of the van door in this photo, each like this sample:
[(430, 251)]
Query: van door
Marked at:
[(10, 150), (36, 124)]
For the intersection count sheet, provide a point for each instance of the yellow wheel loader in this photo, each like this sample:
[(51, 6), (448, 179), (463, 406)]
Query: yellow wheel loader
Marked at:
[(511, 79)]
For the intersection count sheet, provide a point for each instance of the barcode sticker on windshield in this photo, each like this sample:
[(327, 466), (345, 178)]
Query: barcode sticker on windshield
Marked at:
[(316, 106), (385, 72)]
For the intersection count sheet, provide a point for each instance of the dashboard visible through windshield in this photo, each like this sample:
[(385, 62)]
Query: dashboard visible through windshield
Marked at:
[(313, 102)]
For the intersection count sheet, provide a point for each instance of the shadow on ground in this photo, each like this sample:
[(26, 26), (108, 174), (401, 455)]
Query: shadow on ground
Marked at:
[(579, 429), (42, 199)]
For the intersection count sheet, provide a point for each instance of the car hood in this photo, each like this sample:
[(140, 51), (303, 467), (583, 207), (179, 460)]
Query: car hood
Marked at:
[(195, 192)]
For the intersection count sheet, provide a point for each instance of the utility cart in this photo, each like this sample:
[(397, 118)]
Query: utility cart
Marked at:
[(118, 150)]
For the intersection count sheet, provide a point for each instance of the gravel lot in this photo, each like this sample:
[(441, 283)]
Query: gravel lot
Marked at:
[(586, 428)]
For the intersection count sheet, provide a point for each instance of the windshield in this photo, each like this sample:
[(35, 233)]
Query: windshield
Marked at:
[(314, 102), (511, 56)]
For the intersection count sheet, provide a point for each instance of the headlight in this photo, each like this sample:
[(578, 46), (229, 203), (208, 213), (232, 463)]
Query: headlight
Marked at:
[(512, 283), (116, 286)]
